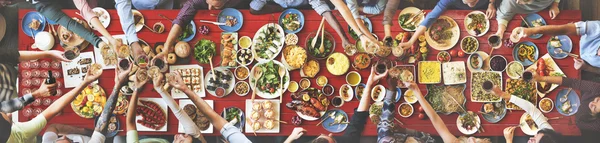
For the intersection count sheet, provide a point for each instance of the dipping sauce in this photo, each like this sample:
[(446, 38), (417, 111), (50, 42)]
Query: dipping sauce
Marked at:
[(304, 83), (293, 87), (220, 92), (321, 81), (245, 42), (353, 78), (328, 90), (337, 101)]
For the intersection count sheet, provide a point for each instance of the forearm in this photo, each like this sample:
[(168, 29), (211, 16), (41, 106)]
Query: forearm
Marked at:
[(420, 31), (100, 28), (15, 104), (387, 28), (530, 109), (332, 21), (365, 99), (363, 28), (565, 29), (214, 118), (108, 108), (32, 55), (63, 101), (589, 68), (171, 39), (436, 121), (131, 112), (68, 129), (189, 126), (552, 79), (345, 11)]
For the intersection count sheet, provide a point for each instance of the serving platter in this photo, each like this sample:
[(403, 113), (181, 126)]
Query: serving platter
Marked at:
[(273, 46), (209, 76), (100, 58), (183, 102), (446, 98), (554, 70), (454, 73), (163, 106), (478, 94), (277, 110), (449, 43), (278, 91), (200, 75), (469, 20), (73, 80)]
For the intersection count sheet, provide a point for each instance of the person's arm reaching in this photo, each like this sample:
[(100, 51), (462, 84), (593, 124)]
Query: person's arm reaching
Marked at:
[(86, 12), (189, 126), (120, 80), (127, 21), (504, 14), (491, 10), (185, 15), (231, 133), (364, 37), (258, 7), (321, 7), (388, 16), (431, 17), (436, 121), (535, 113), (132, 135), (34, 55), (18, 103), (63, 129), (565, 29)]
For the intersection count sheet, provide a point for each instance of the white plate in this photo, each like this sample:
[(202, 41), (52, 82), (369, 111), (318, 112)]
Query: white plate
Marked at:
[(450, 42), (161, 103), (413, 10), (104, 18), (451, 71), (201, 93), (183, 102), (279, 44), (76, 79), (98, 52), (525, 128), (279, 91), (209, 75), (551, 65), (381, 94), (412, 99), (276, 108), (479, 86), (469, 20), (350, 93), (140, 25), (465, 131)]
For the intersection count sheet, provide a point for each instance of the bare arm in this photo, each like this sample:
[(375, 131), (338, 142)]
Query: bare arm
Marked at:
[(565, 29), (131, 112), (335, 25), (436, 121), (64, 129), (68, 97), (214, 118), (172, 38), (345, 11), (32, 55)]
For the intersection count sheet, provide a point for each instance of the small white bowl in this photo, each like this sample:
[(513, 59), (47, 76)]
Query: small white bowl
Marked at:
[(359, 78), (250, 44), (381, 94), (551, 106), (518, 75), (350, 92), (489, 62), (235, 72), (412, 110), (241, 82)]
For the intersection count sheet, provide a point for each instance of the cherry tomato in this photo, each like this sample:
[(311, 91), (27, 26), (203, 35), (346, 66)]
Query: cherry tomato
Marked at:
[(453, 53), (420, 109), (461, 54), (422, 116)]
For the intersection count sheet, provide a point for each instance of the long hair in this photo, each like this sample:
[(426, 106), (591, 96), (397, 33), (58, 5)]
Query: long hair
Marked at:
[(550, 136)]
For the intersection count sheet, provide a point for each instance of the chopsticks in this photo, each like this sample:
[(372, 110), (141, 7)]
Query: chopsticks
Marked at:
[(525, 21), (411, 19), (165, 17)]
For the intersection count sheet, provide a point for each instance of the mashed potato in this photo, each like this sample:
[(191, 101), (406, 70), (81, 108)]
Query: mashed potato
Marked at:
[(338, 64)]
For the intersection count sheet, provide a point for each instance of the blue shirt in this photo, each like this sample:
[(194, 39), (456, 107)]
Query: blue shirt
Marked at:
[(590, 41), (441, 7)]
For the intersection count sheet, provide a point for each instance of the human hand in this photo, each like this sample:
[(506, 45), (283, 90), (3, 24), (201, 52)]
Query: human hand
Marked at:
[(57, 56), (554, 11), (578, 63), (296, 134), (44, 90), (175, 80), (113, 43), (405, 45), (90, 76), (374, 77), (182, 138), (491, 11), (139, 85), (137, 49), (498, 92), (411, 85), (370, 48), (509, 132), (160, 56), (121, 75)]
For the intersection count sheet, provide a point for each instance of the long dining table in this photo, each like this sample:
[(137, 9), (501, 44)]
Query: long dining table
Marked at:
[(251, 23)]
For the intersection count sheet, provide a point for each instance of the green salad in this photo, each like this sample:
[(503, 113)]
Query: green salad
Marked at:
[(187, 32), (353, 34), (402, 21), (314, 51), (266, 48), (270, 79), (203, 50), (291, 22)]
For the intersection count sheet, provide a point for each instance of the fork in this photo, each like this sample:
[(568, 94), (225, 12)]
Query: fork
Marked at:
[(213, 22)]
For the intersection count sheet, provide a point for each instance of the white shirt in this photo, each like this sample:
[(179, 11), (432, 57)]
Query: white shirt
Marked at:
[(50, 137)]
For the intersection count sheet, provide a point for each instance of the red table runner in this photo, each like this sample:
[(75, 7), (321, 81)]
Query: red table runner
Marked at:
[(252, 23)]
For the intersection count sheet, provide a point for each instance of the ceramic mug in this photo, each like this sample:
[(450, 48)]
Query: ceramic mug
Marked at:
[(43, 41)]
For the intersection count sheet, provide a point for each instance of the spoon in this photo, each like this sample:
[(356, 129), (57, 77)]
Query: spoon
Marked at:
[(257, 74), (281, 74), (561, 51), (212, 68), (564, 98), (314, 41), (322, 48)]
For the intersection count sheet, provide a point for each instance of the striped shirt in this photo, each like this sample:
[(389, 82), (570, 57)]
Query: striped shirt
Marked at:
[(8, 91)]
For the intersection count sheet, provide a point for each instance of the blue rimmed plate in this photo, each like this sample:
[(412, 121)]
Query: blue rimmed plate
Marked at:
[(398, 94), (190, 37), (28, 18), (498, 113), (329, 123), (230, 13), (525, 61), (287, 12), (567, 46), (242, 118), (530, 19), (572, 98)]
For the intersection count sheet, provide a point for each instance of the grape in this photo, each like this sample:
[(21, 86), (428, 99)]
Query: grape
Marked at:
[(508, 43), (296, 120), (203, 30)]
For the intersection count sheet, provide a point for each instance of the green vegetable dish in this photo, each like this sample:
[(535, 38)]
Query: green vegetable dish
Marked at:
[(203, 50), (268, 42), (353, 34), (478, 23), (232, 113), (291, 22), (187, 32), (402, 19), (270, 79), (316, 52)]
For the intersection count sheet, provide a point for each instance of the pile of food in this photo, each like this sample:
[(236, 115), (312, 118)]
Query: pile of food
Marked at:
[(430, 72), (521, 89), (233, 113), (197, 116), (34, 24), (409, 21), (245, 57), (478, 94), (268, 41), (242, 88), (514, 69), (295, 56), (338, 64), (469, 44), (546, 105), (405, 110), (310, 102), (223, 79), (186, 32), (469, 121), (441, 30), (228, 53), (263, 115), (204, 50), (454, 73), (90, 102), (361, 61), (192, 78), (153, 116), (498, 63), (530, 123), (311, 68), (319, 52), (291, 22), (494, 111), (270, 80), (109, 56), (446, 99), (241, 73), (555, 42), (122, 104), (230, 21), (478, 23), (526, 52), (346, 92)]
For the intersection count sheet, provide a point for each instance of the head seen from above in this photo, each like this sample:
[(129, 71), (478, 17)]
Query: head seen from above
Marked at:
[(470, 3), (216, 4), (323, 139), (594, 106), (546, 136)]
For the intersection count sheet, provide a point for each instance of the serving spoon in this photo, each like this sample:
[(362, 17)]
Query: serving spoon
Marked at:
[(312, 44), (257, 74), (322, 48), (561, 51), (281, 74)]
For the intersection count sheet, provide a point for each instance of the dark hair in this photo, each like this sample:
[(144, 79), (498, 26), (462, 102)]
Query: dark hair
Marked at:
[(5, 132), (319, 140), (550, 136)]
